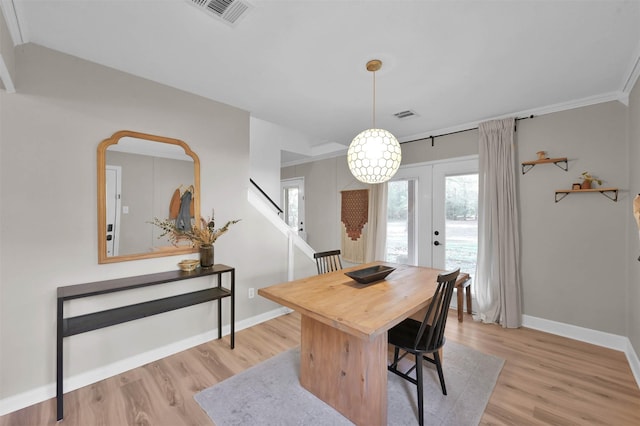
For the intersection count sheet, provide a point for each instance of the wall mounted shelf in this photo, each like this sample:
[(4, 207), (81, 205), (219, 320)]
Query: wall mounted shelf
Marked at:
[(528, 165), (610, 193)]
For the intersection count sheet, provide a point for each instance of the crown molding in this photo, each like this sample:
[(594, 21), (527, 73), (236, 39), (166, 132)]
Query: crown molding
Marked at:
[(549, 109)]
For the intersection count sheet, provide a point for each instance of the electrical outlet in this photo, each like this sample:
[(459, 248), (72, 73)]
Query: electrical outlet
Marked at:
[(252, 293)]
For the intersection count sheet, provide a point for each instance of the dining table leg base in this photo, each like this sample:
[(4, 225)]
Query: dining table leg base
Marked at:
[(347, 372)]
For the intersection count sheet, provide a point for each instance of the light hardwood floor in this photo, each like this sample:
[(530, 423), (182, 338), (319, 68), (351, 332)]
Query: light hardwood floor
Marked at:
[(546, 380)]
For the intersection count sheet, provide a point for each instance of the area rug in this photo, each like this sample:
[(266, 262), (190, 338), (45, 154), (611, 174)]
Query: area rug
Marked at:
[(270, 394)]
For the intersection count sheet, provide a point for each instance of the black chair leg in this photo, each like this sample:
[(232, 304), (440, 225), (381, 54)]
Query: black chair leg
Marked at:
[(420, 380), (396, 354), (436, 358)]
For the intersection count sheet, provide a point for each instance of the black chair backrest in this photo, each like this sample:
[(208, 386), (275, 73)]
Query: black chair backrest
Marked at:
[(328, 261), (437, 312)]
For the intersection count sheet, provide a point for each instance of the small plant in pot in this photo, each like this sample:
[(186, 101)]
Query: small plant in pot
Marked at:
[(588, 179)]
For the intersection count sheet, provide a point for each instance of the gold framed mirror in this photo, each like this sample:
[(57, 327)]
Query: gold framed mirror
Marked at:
[(139, 177)]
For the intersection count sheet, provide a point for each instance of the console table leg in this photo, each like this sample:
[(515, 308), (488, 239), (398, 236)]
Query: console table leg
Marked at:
[(219, 309), (59, 390), (233, 308)]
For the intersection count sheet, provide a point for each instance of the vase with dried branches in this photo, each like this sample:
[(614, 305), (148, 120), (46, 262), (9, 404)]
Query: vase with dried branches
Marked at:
[(202, 235)]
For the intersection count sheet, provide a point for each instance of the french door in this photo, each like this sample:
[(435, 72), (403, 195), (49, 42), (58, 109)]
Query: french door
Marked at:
[(409, 216), (432, 215)]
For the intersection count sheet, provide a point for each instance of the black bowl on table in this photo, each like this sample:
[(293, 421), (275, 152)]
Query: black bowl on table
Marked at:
[(370, 274)]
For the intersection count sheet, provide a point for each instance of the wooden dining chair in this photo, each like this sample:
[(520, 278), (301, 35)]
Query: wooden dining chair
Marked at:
[(426, 337), (328, 261)]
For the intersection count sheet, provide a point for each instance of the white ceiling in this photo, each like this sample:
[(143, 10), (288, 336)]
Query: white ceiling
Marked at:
[(301, 64)]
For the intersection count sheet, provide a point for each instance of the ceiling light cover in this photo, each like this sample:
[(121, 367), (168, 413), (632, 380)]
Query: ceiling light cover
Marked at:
[(374, 156)]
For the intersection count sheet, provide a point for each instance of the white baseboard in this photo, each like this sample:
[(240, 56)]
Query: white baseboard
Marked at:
[(595, 337), (43, 393)]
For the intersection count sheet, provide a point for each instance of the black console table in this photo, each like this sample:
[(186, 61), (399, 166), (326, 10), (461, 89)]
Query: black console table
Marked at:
[(93, 321)]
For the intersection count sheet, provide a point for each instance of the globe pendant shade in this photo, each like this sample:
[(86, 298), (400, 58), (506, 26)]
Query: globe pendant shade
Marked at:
[(374, 156)]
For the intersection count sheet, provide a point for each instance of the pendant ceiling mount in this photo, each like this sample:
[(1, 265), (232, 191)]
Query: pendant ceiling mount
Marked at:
[(374, 65)]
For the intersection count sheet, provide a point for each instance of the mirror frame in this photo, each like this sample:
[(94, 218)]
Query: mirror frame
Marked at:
[(102, 214)]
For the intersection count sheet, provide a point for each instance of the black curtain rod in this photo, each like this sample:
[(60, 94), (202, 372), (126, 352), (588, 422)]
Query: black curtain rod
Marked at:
[(457, 131)]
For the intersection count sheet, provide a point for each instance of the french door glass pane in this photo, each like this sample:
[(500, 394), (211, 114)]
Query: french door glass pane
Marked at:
[(461, 212), (401, 222)]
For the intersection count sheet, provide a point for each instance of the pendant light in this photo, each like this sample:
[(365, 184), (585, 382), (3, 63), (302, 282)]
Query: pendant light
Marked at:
[(374, 155)]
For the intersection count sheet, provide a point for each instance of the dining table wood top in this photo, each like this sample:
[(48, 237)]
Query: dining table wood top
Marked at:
[(362, 310)]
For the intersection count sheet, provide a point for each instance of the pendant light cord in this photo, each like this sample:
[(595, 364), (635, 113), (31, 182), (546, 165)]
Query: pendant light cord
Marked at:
[(374, 100)]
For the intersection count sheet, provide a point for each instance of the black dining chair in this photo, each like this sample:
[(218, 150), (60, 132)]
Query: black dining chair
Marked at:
[(426, 337), (328, 261)]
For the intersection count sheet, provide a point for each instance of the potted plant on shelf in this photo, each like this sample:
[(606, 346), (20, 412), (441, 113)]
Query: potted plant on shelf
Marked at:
[(201, 235), (587, 180)]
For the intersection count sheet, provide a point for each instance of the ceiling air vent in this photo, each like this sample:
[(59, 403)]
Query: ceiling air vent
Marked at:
[(405, 114), (229, 11)]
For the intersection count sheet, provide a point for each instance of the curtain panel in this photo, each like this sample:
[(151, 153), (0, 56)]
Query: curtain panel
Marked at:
[(498, 286), (377, 241)]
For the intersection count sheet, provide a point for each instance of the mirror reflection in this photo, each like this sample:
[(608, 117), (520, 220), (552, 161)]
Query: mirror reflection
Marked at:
[(142, 177)]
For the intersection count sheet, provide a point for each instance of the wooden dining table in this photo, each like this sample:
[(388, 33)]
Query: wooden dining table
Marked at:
[(343, 345)]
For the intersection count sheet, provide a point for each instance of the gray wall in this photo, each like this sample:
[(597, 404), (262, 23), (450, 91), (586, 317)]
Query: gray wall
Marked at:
[(450, 146), (50, 129), (574, 253), (323, 182)]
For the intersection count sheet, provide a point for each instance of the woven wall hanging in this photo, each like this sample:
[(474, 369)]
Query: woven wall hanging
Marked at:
[(354, 215)]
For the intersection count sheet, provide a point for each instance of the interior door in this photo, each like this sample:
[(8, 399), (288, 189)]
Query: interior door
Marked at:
[(292, 191)]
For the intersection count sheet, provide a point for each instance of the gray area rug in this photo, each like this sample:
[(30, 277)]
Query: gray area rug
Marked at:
[(270, 393)]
